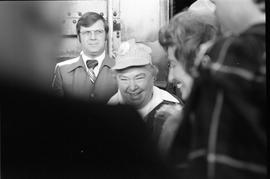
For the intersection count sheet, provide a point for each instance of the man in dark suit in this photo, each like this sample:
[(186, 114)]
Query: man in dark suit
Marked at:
[(89, 75)]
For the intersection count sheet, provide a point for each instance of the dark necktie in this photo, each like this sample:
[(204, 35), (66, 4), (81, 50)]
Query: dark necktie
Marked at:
[(91, 64)]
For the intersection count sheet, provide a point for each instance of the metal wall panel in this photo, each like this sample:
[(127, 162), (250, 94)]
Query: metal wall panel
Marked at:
[(139, 19), (71, 12)]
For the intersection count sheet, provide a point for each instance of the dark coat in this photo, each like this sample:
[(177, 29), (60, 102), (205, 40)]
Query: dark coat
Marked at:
[(43, 136), (223, 132)]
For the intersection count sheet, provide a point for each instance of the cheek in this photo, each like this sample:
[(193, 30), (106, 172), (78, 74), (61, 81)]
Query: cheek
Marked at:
[(141, 84), (177, 73), (83, 41), (148, 84), (122, 87), (102, 39)]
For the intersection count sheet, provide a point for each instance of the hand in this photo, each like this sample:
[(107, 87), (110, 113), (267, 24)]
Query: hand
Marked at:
[(168, 110)]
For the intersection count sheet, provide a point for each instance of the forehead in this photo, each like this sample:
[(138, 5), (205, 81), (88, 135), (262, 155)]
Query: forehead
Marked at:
[(134, 71), (96, 26)]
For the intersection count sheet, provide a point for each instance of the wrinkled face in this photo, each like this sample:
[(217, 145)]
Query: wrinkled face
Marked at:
[(136, 86), (93, 39), (177, 74)]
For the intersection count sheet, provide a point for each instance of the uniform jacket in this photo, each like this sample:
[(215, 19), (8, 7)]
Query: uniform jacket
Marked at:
[(71, 79)]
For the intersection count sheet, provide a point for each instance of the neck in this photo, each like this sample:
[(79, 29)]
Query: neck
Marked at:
[(145, 102), (93, 55)]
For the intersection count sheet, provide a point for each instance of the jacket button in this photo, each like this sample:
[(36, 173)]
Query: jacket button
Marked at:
[(92, 95)]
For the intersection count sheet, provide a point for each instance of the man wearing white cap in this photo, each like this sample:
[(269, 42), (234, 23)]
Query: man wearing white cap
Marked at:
[(135, 76)]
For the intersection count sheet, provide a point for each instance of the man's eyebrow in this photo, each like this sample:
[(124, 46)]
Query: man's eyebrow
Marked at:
[(98, 28), (141, 74), (122, 76)]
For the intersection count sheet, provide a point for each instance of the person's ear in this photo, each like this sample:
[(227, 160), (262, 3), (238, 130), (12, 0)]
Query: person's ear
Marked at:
[(114, 74), (106, 36)]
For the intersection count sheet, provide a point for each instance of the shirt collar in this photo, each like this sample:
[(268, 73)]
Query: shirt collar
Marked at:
[(155, 101), (158, 97)]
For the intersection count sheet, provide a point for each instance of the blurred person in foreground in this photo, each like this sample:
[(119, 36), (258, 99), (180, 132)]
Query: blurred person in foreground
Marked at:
[(222, 133), (43, 136), (88, 76), (135, 76), (188, 35), (28, 43)]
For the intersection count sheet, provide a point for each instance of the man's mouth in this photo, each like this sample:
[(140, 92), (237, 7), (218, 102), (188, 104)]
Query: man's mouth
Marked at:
[(135, 94)]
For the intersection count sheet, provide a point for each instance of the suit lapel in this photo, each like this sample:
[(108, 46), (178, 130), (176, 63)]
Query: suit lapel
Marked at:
[(105, 85), (81, 83), (109, 62), (77, 64)]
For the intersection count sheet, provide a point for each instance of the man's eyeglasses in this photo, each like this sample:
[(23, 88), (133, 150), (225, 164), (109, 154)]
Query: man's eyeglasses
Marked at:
[(96, 32)]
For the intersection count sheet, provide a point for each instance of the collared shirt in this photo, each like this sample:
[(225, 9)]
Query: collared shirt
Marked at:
[(100, 60), (159, 95)]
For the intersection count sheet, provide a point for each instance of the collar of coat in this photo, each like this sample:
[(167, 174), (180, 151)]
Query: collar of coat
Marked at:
[(109, 62)]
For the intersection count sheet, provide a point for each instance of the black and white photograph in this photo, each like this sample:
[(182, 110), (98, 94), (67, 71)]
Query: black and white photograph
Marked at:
[(133, 89)]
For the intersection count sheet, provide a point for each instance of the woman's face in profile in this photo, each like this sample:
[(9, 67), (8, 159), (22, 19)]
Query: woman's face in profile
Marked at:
[(177, 74)]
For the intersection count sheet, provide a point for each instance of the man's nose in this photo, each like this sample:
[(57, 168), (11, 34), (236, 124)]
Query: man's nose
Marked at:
[(133, 85), (92, 36)]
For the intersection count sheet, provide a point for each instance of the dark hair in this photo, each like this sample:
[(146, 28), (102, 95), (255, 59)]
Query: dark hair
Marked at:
[(260, 2), (187, 31), (88, 19)]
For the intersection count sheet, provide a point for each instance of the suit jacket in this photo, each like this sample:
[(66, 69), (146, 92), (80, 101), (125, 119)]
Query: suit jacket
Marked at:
[(71, 79)]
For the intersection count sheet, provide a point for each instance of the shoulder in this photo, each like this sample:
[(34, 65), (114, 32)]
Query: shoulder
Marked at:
[(166, 96), (114, 100), (108, 61), (244, 44), (68, 65), (67, 62)]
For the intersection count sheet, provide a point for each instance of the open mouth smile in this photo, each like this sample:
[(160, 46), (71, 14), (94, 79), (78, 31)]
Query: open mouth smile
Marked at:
[(135, 94)]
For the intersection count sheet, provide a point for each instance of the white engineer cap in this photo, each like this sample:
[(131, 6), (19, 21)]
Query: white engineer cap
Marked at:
[(132, 54)]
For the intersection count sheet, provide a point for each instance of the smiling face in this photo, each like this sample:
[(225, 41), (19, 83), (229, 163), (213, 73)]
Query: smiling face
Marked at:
[(136, 85), (93, 39), (177, 73)]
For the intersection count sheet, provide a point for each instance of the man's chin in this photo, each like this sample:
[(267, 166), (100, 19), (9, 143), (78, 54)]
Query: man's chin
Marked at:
[(134, 102), (94, 53)]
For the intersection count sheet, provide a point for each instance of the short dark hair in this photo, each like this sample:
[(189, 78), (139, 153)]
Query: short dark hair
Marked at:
[(88, 19), (187, 31), (260, 2)]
